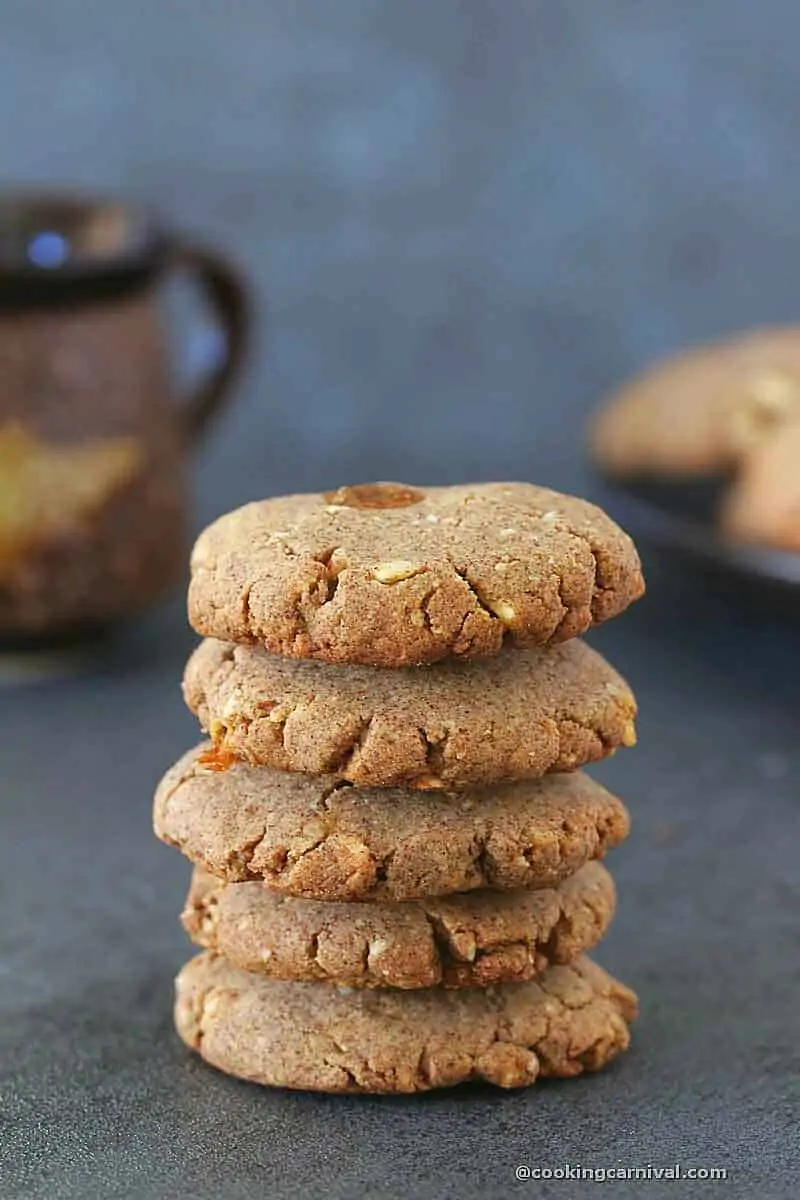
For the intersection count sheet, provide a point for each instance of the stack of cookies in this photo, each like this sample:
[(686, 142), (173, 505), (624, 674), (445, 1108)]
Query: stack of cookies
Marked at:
[(396, 858)]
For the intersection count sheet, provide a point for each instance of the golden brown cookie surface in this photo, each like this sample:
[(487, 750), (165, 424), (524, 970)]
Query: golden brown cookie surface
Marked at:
[(569, 1020), (453, 724), (469, 940), (319, 837), (390, 575)]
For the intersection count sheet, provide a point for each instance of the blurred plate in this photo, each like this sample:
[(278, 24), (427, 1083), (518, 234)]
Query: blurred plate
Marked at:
[(680, 518), (37, 658)]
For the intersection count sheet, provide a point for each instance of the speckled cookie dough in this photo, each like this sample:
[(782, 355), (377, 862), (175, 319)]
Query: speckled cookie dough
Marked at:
[(450, 725), (569, 1020), (390, 575), (325, 839), (470, 940)]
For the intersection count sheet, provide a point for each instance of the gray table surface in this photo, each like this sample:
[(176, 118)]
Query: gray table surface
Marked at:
[(470, 220), (100, 1099)]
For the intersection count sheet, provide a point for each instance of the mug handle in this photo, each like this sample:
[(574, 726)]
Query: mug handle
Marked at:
[(225, 291)]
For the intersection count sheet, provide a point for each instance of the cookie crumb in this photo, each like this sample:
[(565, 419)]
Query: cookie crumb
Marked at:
[(216, 759)]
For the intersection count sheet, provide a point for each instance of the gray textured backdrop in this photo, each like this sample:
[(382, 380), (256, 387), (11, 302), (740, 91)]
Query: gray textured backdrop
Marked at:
[(470, 219)]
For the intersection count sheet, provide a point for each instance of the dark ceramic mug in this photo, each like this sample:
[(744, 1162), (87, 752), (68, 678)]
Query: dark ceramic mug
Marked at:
[(93, 441)]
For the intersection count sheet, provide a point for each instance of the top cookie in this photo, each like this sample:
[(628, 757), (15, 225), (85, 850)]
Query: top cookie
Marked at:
[(702, 411), (389, 575)]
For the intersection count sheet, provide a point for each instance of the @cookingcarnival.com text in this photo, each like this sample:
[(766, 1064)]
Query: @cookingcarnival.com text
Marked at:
[(603, 1174)]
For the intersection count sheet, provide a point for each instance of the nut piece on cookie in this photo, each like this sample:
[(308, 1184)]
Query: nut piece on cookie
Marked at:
[(395, 572), (390, 575), (374, 495), (701, 412)]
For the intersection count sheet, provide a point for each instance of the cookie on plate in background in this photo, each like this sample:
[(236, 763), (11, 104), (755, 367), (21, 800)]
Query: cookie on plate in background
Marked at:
[(762, 506), (699, 413), (729, 413)]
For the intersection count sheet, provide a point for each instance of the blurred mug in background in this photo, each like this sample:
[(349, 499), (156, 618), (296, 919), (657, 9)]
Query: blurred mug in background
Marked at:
[(93, 440)]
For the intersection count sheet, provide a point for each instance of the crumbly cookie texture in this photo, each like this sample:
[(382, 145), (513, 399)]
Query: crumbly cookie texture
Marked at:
[(704, 410), (762, 506), (322, 838), (471, 940), (569, 1020), (450, 725), (390, 575)]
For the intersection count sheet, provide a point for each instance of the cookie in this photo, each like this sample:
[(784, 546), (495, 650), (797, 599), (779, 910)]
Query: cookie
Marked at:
[(320, 837), (470, 940), (450, 725), (568, 1020), (389, 575), (763, 504), (699, 412)]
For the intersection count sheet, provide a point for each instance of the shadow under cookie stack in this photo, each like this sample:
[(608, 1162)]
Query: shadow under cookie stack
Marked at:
[(396, 858)]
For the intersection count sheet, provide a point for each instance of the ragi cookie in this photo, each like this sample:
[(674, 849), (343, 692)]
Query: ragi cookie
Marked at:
[(320, 837), (469, 940), (568, 1020), (450, 725), (762, 506), (389, 575), (702, 411)]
